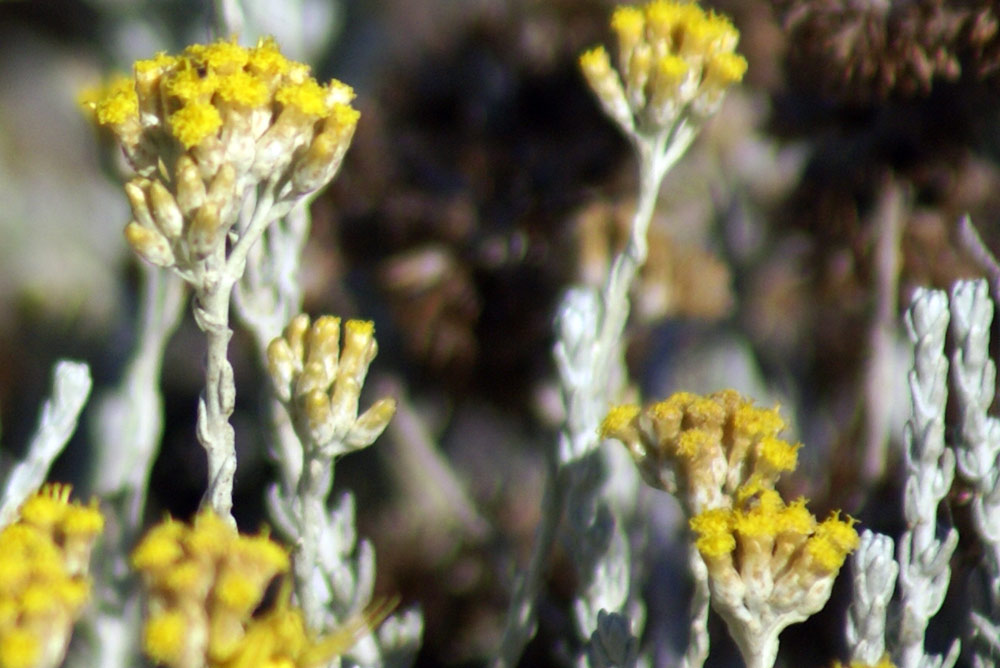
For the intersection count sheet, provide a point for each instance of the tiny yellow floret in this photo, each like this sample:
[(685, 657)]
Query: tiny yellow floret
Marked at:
[(192, 123), (778, 454), (163, 637), (617, 419), (725, 69), (359, 328), (833, 540), (116, 102), (628, 22), (308, 97), (672, 69), (595, 62), (695, 442), (19, 649), (189, 84), (242, 88), (752, 422)]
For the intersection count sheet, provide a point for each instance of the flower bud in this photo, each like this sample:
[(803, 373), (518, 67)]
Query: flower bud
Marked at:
[(135, 190), (190, 186), (281, 367), (205, 232), (166, 213), (370, 424), (149, 244)]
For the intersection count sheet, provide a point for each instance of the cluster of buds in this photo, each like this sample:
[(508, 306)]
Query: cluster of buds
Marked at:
[(675, 62), (204, 127), (44, 561), (770, 564), (320, 383)]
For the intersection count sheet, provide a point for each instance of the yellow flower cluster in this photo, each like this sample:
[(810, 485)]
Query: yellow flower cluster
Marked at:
[(769, 563), (205, 581), (44, 560), (202, 127), (675, 61), (321, 384), (703, 448)]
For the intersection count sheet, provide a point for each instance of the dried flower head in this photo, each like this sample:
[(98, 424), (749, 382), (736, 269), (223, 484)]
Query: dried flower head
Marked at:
[(675, 62), (872, 50), (203, 128), (44, 560), (320, 382)]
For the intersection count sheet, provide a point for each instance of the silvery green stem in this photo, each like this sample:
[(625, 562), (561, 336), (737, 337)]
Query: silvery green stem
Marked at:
[(213, 284), (313, 490), (697, 647), (589, 355), (924, 569), (874, 571), (218, 398), (977, 449), (70, 388)]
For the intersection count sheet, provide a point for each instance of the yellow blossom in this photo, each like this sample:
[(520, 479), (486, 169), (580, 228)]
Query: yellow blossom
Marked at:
[(44, 559), (204, 582), (769, 563), (244, 116), (675, 62)]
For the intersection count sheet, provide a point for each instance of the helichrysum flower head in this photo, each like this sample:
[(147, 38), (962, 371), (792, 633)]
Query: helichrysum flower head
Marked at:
[(770, 563), (320, 381), (704, 448), (675, 61), (44, 559), (203, 127), (204, 582)]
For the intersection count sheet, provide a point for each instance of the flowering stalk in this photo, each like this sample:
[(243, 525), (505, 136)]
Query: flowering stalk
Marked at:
[(319, 383), (208, 131), (874, 571), (675, 62), (769, 564), (924, 560), (977, 448)]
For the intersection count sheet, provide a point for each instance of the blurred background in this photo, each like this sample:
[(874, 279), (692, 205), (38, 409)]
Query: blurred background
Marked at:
[(482, 181)]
